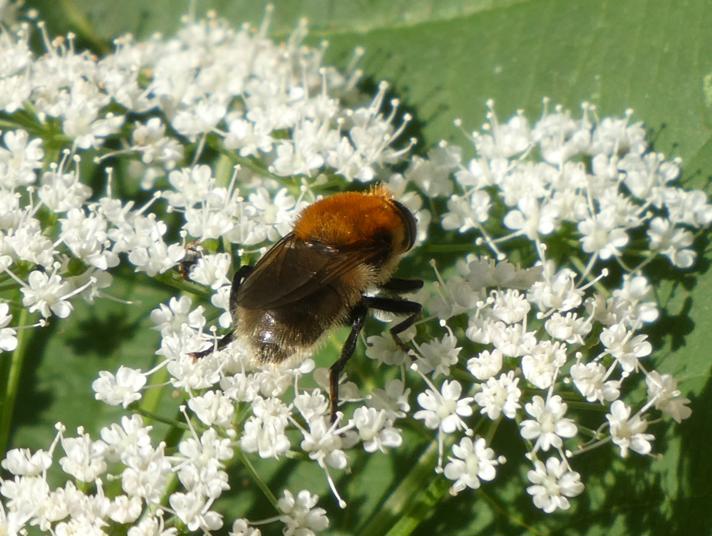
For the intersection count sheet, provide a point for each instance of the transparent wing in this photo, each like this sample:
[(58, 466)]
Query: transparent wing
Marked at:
[(293, 269)]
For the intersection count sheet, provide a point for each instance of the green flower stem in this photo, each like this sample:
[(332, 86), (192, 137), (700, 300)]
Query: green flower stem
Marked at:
[(251, 163), (173, 280), (580, 266), (158, 418), (13, 381), (83, 26), (422, 506), (171, 439), (152, 396), (411, 501), (247, 464), (511, 516)]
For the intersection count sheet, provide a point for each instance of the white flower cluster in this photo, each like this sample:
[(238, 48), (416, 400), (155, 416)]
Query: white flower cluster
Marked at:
[(594, 183), (597, 176), (235, 135)]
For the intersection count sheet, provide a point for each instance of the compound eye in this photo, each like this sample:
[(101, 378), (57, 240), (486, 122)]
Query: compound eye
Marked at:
[(409, 224)]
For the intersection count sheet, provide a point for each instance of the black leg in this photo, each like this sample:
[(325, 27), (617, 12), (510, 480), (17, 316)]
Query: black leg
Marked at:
[(222, 343), (358, 315), (237, 280), (398, 285), (410, 308), (193, 253)]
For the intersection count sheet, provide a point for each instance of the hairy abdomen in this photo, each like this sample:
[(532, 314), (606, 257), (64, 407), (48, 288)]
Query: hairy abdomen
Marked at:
[(276, 335)]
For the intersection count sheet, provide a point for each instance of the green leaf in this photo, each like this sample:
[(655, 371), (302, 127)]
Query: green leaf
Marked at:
[(443, 61)]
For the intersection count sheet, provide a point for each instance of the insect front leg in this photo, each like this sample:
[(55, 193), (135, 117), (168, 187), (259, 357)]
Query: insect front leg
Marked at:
[(358, 316), (226, 339), (193, 253), (404, 307), (237, 280)]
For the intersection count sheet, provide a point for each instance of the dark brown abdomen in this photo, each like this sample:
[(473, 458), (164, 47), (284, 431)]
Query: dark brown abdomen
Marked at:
[(277, 334)]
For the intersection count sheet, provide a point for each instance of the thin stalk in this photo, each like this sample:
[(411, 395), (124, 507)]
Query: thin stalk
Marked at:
[(247, 464), (82, 26), (422, 507), (158, 418), (152, 396), (411, 501), (13, 381)]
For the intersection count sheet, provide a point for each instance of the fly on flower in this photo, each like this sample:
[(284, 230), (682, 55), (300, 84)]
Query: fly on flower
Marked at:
[(315, 278)]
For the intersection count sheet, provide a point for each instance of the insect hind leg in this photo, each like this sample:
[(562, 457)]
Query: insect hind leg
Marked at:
[(358, 316), (390, 305)]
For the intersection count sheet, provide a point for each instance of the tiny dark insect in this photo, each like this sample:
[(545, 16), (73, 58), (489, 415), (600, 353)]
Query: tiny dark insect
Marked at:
[(315, 277)]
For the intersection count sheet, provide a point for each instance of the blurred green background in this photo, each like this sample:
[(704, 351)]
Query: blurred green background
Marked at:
[(444, 60)]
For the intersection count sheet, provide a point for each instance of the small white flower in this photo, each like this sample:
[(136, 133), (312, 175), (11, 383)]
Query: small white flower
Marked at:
[(556, 291), (146, 475), (84, 458), (471, 462), (485, 365), (240, 387), (662, 388), (393, 399), (549, 425), (312, 405), (568, 327), (672, 242), (625, 347), (171, 318), (510, 306), (383, 348), (323, 444), (634, 302), (499, 396), (299, 515), (532, 217), (125, 509), (552, 484), (211, 270), (124, 388), (22, 462), (151, 526), (264, 431), (541, 365), (194, 511), (602, 238), (444, 410), (241, 527), (212, 408), (46, 294), (484, 273), (465, 213), (512, 340), (24, 495), (628, 432), (590, 380), (8, 335), (375, 430), (437, 356), (129, 442)]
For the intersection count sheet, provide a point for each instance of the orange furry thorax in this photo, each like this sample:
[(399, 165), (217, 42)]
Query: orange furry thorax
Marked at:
[(349, 218)]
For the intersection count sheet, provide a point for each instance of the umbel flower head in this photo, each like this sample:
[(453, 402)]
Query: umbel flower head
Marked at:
[(529, 347)]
